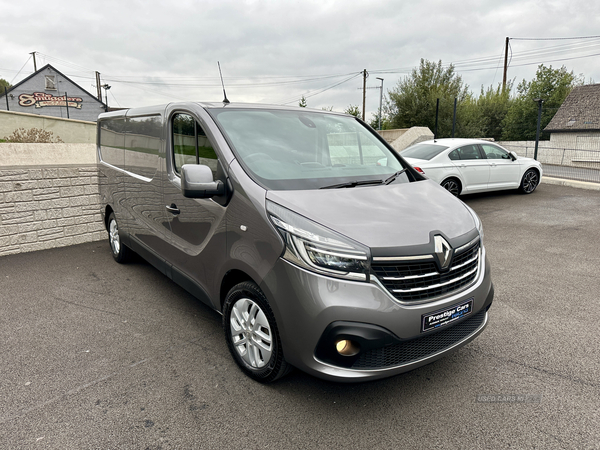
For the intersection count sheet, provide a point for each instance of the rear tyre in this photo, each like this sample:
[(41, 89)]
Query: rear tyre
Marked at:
[(251, 334), (452, 185), (530, 181), (119, 251)]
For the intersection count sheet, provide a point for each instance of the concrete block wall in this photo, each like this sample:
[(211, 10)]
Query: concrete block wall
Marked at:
[(570, 151), (69, 130), (405, 137), (46, 206)]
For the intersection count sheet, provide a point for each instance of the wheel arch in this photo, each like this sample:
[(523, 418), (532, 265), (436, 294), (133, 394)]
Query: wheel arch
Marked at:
[(535, 168), (107, 212), (231, 278)]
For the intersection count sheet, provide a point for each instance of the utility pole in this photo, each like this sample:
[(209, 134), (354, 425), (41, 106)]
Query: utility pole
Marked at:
[(505, 64), (380, 100), (364, 92), (98, 86), (34, 64)]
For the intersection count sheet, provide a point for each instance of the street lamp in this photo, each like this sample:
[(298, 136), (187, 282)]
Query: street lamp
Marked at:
[(380, 100), (539, 121), (106, 88)]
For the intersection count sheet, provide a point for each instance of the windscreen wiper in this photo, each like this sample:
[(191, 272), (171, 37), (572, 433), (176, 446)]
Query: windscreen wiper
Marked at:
[(394, 176), (351, 184)]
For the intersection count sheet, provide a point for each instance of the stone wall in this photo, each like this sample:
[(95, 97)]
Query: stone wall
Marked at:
[(48, 205)]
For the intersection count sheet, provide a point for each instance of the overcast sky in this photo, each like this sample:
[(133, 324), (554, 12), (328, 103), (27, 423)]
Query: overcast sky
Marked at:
[(272, 51)]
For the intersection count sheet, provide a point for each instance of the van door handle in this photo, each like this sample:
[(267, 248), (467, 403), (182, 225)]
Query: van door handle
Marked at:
[(173, 209)]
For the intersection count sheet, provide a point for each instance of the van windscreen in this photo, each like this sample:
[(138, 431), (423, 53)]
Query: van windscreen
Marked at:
[(291, 149)]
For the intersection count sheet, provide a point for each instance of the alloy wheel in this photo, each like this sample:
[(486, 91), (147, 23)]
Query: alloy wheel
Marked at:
[(251, 333), (113, 236), (452, 187), (530, 181)]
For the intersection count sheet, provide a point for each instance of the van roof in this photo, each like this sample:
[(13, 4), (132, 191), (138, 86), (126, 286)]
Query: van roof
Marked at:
[(159, 109)]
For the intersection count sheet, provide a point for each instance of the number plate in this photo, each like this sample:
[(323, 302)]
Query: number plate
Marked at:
[(445, 316)]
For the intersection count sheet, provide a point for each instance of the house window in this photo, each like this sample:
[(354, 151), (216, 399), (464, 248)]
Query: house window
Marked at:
[(50, 82)]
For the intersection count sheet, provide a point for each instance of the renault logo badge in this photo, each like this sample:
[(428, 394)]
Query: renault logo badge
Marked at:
[(443, 251)]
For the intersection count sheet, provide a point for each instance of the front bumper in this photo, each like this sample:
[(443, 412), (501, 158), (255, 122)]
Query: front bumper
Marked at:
[(314, 311)]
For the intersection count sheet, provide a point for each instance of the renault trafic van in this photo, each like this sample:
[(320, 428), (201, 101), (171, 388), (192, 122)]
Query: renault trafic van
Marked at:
[(319, 245)]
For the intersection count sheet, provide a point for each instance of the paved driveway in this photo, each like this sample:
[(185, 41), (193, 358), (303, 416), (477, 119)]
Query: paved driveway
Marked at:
[(98, 355)]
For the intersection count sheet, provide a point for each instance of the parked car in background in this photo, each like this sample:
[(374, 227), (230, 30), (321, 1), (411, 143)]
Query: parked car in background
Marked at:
[(465, 166)]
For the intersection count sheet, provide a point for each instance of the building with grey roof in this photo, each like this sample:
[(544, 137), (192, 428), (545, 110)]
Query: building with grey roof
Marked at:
[(43, 93), (576, 124)]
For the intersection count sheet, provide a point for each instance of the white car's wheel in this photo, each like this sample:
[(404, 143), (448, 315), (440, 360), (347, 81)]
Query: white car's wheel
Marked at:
[(530, 181), (452, 185)]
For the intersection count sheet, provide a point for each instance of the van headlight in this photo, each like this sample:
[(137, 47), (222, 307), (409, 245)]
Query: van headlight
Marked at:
[(317, 248), (478, 223)]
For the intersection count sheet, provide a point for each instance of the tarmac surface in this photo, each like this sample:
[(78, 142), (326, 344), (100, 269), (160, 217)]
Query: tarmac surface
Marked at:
[(97, 355)]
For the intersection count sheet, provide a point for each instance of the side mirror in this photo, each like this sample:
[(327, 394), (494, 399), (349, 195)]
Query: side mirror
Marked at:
[(513, 155), (197, 182)]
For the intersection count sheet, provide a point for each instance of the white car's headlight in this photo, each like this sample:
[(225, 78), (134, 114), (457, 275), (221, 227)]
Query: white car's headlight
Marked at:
[(317, 248)]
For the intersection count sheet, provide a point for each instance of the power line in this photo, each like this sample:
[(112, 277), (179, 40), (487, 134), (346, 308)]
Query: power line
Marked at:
[(11, 81), (555, 39), (236, 85), (316, 92)]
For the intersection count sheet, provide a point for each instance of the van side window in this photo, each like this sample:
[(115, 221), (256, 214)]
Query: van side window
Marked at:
[(190, 144), (142, 144)]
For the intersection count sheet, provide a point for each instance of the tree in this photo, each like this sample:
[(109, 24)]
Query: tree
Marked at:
[(482, 117), (4, 84), (353, 110), (550, 85), (413, 101), (385, 123), (302, 102)]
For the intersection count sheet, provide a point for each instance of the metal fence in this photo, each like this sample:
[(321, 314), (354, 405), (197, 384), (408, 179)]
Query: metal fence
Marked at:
[(572, 164)]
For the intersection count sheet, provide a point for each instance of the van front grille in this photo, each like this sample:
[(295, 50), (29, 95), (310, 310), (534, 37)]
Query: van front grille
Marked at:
[(407, 352), (417, 281)]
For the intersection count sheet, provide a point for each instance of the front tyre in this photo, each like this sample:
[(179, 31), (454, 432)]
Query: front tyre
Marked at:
[(120, 252), (530, 181), (251, 333)]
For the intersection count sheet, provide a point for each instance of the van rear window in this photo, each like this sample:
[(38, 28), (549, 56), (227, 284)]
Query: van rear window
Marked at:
[(132, 143)]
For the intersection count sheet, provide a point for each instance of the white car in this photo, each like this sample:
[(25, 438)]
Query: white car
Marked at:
[(465, 166)]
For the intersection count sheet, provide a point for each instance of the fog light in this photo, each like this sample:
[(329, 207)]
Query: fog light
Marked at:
[(346, 348)]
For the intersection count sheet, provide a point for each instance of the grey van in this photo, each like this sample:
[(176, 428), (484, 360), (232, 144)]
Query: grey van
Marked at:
[(319, 245)]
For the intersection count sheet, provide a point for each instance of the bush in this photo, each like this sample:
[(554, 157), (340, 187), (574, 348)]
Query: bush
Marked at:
[(31, 136)]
